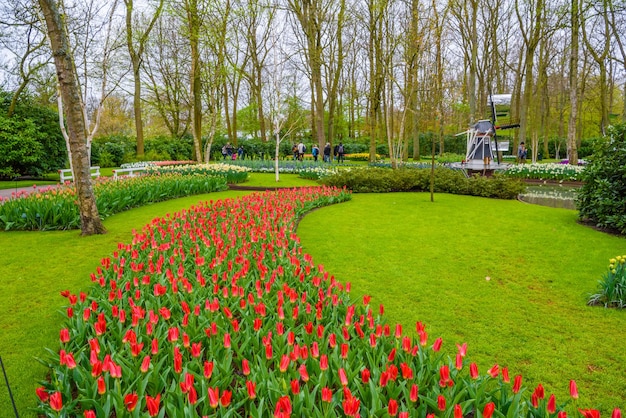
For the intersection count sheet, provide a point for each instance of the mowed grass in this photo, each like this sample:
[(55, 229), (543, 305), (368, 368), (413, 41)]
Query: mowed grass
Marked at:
[(509, 278)]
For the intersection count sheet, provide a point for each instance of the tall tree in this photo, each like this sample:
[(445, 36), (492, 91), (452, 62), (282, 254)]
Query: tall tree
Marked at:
[(530, 23), (310, 15), (61, 50), (572, 148), (597, 36), (136, 45)]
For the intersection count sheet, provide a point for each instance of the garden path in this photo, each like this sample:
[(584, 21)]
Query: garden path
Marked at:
[(18, 191)]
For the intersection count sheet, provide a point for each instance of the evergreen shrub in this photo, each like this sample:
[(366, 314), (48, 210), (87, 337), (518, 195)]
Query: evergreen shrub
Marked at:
[(382, 180), (602, 199)]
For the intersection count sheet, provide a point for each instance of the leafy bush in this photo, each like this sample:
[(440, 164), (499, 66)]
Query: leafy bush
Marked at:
[(612, 291), (56, 208), (31, 143), (602, 199), (381, 180)]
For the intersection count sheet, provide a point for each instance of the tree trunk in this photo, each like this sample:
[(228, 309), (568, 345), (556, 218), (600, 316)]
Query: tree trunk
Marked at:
[(89, 217), (572, 148), (193, 20)]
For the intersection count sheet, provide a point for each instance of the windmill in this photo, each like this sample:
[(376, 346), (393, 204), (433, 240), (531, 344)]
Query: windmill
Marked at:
[(482, 138)]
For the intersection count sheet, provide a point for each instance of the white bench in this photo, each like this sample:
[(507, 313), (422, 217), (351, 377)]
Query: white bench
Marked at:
[(66, 174), (129, 172)]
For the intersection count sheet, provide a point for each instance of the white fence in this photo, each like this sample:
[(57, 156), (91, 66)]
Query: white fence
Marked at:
[(66, 174), (129, 172)]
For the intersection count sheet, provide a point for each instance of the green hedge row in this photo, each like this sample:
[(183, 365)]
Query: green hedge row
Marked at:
[(381, 180)]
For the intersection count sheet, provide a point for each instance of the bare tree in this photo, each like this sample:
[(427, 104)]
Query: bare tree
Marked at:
[(61, 51), (572, 148), (167, 71), (25, 43), (136, 44)]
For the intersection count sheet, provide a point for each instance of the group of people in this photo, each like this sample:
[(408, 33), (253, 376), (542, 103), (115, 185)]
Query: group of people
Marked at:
[(228, 151), (338, 152)]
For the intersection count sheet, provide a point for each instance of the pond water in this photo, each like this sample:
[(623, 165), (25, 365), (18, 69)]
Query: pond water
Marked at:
[(553, 195)]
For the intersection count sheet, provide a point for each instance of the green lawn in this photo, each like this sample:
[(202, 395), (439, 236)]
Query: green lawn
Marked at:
[(509, 278), (424, 261)]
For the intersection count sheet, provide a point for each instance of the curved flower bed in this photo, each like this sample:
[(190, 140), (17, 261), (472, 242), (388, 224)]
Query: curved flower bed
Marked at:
[(216, 311), (55, 208)]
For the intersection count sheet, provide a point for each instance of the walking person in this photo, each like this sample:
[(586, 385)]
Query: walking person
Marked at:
[(327, 153), (340, 153), (522, 152), (315, 151)]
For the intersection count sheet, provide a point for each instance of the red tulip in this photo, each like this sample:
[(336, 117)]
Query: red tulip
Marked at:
[(283, 407), (64, 335), (268, 352), (365, 376), (552, 404), (251, 387), (441, 402), (392, 407), (458, 411), (342, 377), (616, 413), (102, 388), (573, 390), (304, 374), (153, 404), (473, 371), (444, 373), (42, 394), (590, 413), (392, 355), (284, 363), (413, 396), (130, 401), (344, 350), (403, 414), (192, 396), (462, 349), (459, 362), (226, 397), (295, 386), (227, 340), (494, 371), (214, 397), (145, 364), (245, 367), (327, 394), (561, 414), (196, 349), (56, 401), (208, 369), (324, 362), (505, 374), (488, 411), (517, 383), (437, 344), (89, 413), (351, 406), (539, 391)]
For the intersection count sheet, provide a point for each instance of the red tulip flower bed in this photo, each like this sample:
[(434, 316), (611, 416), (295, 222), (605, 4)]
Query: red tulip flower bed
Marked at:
[(215, 311)]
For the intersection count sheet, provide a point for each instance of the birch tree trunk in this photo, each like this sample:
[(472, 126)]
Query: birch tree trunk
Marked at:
[(61, 51)]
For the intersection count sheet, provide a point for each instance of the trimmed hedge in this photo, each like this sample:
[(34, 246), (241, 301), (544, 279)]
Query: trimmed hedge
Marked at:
[(381, 180)]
